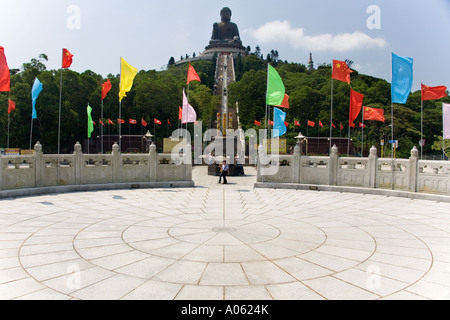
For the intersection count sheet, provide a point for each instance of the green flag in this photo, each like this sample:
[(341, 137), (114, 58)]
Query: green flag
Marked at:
[(90, 122), (275, 88)]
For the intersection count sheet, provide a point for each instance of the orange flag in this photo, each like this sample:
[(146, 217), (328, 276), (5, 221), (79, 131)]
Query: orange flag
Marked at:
[(11, 106), (106, 87), (285, 103), (192, 75), (5, 78)]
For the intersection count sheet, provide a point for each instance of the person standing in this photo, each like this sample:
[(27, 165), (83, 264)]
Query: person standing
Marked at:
[(224, 172)]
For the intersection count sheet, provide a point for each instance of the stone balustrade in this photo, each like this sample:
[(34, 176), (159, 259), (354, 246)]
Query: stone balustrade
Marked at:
[(411, 175), (41, 170)]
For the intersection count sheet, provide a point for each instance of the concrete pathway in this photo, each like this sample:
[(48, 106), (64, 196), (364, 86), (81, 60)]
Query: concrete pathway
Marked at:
[(223, 242)]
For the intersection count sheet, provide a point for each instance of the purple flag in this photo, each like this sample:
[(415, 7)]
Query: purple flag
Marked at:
[(446, 113), (189, 114)]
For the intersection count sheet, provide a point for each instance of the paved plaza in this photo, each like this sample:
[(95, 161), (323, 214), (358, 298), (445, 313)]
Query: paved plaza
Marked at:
[(218, 242)]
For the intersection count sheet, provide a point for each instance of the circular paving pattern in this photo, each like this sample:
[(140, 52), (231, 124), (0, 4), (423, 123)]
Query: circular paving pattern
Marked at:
[(223, 242)]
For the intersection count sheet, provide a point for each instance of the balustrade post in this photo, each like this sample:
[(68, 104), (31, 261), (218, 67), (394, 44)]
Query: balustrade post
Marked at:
[(188, 162), (153, 163), (38, 165), (296, 164), (413, 173), (333, 166), (78, 163), (116, 163), (373, 167)]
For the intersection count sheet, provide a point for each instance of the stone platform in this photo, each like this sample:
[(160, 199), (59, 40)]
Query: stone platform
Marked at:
[(223, 242)]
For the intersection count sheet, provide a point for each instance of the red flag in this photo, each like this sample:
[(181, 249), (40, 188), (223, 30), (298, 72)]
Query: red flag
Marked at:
[(286, 124), (180, 113), (332, 124), (374, 114), (361, 125), (356, 102), (342, 127), (110, 122), (5, 78), (168, 122), (271, 123), (66, 59), (433, 93), (285, 103), (297, 123), (120, 121), (321, 124), (311, 124), (106, 87), (352, 125), (192, 75), (101, 122), (341, 71), (257, 123), (143, 122), (133, 121), (11, 106), (157, 121)]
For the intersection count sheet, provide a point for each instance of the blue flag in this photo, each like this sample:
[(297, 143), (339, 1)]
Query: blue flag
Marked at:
[(37, 88), (402, 78), (279, 126)]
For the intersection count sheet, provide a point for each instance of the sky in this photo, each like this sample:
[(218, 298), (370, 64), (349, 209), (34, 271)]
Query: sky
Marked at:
[(147, 33)]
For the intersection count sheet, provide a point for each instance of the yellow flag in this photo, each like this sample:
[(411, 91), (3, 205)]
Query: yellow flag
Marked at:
[(127, 74)]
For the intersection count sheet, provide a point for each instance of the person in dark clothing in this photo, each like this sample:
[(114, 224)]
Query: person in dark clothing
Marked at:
[(224, 169)]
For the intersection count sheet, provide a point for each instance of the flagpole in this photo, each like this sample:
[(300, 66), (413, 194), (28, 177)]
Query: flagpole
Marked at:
[(31, 131), (362, 135), (9, 119), (443, 133), (331, 116), (59, 123), (421, 130), (348, 140), (101, 129), (392, 146), (120, 109)]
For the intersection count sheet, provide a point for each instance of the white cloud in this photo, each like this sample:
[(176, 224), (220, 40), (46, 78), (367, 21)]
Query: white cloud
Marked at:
[(282, 32)]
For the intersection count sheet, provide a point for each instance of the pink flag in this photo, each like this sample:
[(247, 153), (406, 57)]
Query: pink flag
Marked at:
[(189, 114), (446, 112)]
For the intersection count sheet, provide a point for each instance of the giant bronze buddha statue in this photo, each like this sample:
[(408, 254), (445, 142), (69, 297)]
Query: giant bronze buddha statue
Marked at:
[(225, 33)]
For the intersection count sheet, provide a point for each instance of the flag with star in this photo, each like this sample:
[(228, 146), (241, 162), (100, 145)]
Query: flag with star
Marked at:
[(341, 71), (66, 59), (374, 114)]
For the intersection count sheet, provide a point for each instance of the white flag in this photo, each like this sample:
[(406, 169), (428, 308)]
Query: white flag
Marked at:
[(446, 112), (189, 114)]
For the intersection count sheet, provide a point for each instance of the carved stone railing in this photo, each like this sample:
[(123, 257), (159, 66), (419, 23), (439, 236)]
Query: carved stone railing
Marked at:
[(41, 170), (376, 173)]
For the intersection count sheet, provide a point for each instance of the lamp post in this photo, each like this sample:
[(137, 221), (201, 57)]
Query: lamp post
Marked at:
[(299, 147), (148, 138)]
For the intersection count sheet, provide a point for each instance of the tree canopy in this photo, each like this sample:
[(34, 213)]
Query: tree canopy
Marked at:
[(158, 94)]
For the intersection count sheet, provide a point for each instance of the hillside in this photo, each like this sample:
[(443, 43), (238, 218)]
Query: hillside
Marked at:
[(158, 94)]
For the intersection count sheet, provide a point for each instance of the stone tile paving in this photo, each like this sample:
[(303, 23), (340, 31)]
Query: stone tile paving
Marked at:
[(218, 242)]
